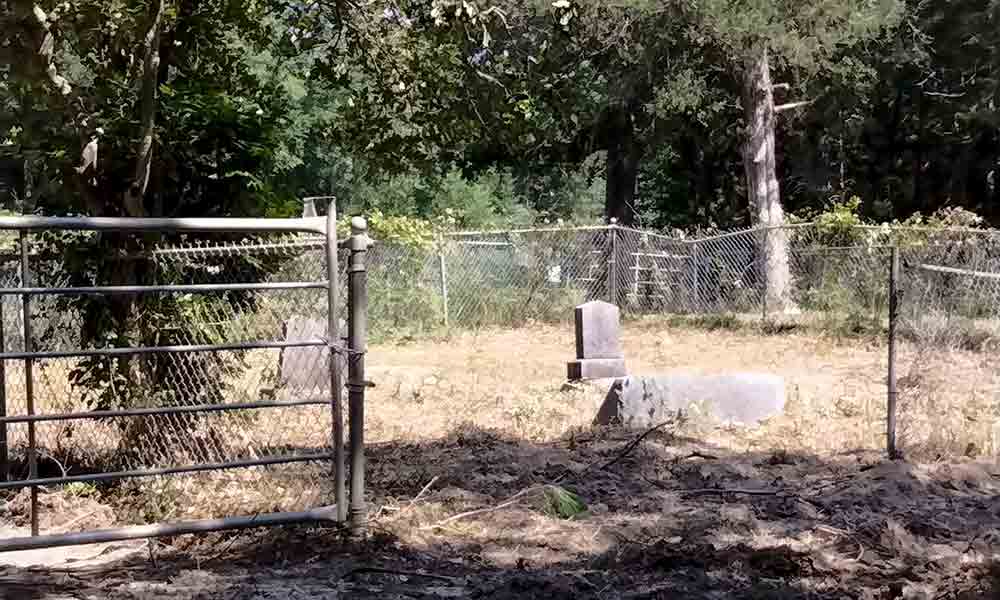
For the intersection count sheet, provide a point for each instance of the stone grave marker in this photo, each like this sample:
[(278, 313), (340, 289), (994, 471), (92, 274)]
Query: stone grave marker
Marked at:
[(598, 342), (305, 368), (737, 398)]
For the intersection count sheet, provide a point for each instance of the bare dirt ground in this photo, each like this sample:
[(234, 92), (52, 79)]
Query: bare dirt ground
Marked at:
[(476, 444), (468, 517)]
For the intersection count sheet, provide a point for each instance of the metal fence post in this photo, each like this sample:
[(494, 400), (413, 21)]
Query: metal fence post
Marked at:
[(612, 263), (4, 453), (357, 333), (29, 380), (765, 276), (696, 287), (893, 318), (444, 279), (333, 338)]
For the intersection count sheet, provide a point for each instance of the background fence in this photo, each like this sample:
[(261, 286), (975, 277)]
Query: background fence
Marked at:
[(836, 275), (836, 281)]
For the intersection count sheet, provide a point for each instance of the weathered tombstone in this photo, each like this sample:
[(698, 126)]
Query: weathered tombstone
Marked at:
[(305, 368), (738, 398), (598, 342)]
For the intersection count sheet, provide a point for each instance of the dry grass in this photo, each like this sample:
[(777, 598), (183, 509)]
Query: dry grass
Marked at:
[(513, 381)]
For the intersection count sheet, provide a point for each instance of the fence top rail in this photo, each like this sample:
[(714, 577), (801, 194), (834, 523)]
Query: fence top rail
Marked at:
[(458, 234), (956, 271), (662, 236), (210, 224)]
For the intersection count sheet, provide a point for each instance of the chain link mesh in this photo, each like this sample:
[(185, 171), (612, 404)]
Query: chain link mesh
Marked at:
[(177, 380), (511, 278), (831, 277), (949, 325)]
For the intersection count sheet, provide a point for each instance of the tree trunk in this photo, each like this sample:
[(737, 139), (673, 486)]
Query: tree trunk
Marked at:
[(622, 168), (762, 182), (147, 118)]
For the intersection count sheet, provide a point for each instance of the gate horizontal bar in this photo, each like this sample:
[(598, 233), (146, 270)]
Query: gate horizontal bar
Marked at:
[(159, 411), (116, 475), (218, 224), (194, 288), (182, 349), (100, 536)]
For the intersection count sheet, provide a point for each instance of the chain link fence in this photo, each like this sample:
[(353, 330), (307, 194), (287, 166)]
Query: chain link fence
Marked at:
[(948, 383), (512, 278), (832, 279)]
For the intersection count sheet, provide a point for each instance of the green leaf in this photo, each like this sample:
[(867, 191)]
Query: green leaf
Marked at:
[(563, 504)]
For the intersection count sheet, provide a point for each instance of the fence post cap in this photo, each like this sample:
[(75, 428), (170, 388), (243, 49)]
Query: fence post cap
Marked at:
[(360, 240)]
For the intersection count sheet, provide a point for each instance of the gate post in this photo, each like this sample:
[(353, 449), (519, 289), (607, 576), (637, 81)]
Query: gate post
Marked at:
[(4, 452), (29, 379), (332, 338), (695, 259), (893, 394), (357, 346)]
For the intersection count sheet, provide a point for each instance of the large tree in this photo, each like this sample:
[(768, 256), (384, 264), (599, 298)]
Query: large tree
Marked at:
[(801, 40), (151, 108)]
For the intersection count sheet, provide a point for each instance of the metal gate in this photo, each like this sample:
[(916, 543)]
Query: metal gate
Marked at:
[(150, 350)]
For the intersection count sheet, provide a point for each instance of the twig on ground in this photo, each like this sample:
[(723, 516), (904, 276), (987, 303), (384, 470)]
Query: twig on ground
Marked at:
[(659, 484), (632, 445), (621, 455), (374, 570), (724, 491), (69, 524), (701, 455), (217, 555), (423, 491), (151, 549), (419, 497), (479, 511)]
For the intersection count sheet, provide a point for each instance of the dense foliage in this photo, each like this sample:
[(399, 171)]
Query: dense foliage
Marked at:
[(497, 114)]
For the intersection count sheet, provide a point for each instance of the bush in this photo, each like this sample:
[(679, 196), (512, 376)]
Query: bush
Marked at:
[(488, 200)]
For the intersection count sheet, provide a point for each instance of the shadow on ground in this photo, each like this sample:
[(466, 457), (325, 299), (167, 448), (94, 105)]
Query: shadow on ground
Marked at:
[(481, 515)]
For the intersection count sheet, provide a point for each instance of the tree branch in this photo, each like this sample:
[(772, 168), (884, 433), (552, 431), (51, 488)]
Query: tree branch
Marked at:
[(40, 31), (150, 79), (790, 105)]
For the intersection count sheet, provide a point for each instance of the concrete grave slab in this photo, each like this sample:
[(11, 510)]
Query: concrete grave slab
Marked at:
[(738, 398)]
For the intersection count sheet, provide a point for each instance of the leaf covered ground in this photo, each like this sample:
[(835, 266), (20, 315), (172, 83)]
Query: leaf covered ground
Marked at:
[(468, 516)]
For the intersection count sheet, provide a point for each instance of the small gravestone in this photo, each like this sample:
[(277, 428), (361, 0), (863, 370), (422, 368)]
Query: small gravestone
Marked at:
[(738, 398), (598, 342), (306, 367)]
